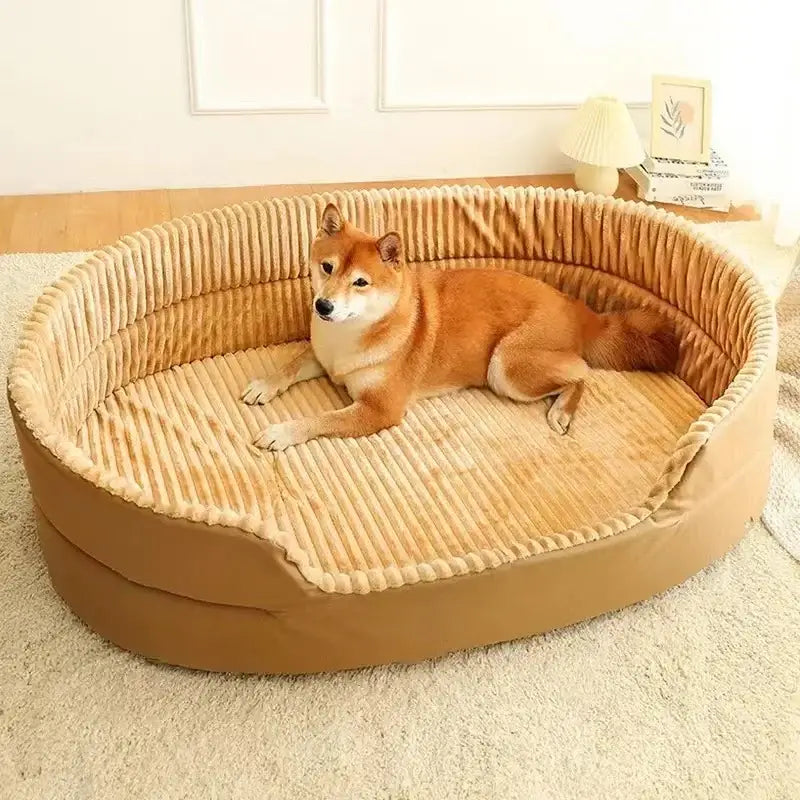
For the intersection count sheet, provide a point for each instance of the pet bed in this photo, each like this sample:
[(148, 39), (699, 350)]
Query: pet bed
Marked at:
[(470, 523)]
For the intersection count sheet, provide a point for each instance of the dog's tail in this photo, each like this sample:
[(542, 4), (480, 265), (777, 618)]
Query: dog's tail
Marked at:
[(630, 340)]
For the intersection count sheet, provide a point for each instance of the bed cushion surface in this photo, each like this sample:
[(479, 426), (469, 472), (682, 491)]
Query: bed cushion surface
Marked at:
[(465, 473)]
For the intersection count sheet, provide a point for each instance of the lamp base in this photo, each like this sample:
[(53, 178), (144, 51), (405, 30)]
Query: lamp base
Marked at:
[(598, 180)]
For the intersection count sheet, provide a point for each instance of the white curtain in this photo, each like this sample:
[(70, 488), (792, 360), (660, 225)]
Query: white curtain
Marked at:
[(756, 114)]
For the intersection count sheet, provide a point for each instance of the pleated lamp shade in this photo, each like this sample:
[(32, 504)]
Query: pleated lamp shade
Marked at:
[(602, 138), (602, 133)]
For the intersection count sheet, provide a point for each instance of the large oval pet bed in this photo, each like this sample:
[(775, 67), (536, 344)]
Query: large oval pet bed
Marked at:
[(471, 522)]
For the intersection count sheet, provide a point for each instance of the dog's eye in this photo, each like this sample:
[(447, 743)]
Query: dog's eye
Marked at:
[(327, 267), (359, 282)]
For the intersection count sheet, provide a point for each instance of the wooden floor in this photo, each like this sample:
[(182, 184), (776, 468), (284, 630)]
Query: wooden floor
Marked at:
[(55, 223)]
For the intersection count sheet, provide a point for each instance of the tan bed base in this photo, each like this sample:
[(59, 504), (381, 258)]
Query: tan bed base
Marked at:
[(272, 631)]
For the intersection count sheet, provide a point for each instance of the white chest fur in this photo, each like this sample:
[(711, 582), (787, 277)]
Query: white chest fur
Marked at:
[(338, 348), (334, 343)]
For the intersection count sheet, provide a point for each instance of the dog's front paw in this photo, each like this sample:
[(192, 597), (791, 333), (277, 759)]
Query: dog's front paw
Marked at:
[(259, 391), (280, 435), (558, 418)]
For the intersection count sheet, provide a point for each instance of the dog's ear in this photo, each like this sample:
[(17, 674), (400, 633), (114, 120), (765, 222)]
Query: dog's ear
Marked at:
[(332, 221), (390, 249)]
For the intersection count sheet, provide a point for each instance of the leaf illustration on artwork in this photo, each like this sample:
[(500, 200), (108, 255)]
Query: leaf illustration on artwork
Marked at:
[(675, 117)]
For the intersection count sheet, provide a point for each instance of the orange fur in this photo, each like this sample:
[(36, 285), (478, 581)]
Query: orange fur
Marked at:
[(415, 332), (631, 340)]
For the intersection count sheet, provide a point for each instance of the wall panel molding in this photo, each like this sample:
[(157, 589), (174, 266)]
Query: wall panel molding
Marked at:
[(205, 100), (388, 100)]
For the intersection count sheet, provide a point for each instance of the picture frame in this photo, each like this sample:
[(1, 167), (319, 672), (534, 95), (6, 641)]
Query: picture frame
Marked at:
[(681, 118)]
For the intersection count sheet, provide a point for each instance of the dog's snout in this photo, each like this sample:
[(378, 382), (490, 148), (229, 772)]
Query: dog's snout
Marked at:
[(324, 307)]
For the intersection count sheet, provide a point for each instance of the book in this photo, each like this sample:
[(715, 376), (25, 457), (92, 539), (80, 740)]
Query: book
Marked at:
[(686, 183), (687, 169), (713, 201), (663, 182)]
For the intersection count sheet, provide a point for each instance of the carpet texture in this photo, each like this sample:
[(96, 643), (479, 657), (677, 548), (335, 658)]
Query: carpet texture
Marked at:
[(782, 515), (691, 694)]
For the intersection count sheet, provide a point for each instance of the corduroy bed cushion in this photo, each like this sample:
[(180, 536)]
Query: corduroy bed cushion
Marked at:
[(470, 522)]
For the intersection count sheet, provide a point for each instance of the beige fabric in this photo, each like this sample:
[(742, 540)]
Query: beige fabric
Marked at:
[(778, 269), (465, 474), (689, 694), (88, 376)]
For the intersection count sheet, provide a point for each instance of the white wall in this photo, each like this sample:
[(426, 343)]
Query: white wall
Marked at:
[(95, 94)]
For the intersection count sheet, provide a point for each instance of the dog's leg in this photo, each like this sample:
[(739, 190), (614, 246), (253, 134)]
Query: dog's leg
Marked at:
[(526, 375), (303, 367), (359, 419), (561, 412)]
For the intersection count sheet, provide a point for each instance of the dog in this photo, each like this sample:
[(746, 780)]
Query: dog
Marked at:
[(391, 334)]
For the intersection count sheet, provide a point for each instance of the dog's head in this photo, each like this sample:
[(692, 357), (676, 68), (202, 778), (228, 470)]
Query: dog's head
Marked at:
[(355, 276)]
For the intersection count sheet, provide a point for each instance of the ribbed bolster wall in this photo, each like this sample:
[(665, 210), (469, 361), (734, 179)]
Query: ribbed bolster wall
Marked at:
[(237, 278)]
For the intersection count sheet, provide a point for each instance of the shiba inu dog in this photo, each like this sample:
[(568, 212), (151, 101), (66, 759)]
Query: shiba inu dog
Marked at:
[(391, 334)]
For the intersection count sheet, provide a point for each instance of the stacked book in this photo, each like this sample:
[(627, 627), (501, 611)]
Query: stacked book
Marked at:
[(685, 183)]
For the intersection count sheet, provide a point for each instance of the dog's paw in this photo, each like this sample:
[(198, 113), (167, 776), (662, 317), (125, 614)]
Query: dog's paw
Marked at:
[(558, 419), (279, 436), (258, 392)]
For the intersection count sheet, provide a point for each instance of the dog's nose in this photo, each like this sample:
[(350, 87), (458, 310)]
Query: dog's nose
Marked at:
[(324, 307)]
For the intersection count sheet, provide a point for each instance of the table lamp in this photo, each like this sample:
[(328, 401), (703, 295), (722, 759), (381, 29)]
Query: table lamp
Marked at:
[(602, 138)]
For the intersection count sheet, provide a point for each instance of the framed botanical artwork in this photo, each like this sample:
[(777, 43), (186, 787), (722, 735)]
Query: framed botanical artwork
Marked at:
[(681, 119)]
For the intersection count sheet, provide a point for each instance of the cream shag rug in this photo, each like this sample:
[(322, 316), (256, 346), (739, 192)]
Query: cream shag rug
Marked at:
[(693, 694), (782, 515)]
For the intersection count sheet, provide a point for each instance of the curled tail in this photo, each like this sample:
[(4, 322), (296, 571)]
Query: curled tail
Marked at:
[(630, 340)]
